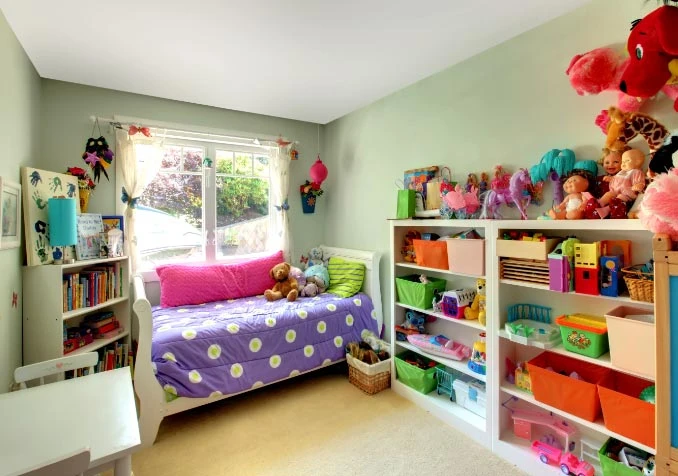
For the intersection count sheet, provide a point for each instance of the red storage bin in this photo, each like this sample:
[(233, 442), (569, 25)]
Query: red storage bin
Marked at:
[(578, 397), (623, 411), (431, 254)]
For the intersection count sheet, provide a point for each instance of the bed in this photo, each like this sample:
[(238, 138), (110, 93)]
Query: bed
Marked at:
[(208, 352)]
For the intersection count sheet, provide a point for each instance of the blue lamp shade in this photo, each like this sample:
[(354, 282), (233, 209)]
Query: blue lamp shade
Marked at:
[(62, 222)]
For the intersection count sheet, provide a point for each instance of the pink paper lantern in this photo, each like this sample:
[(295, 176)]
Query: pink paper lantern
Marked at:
[(318, 171)]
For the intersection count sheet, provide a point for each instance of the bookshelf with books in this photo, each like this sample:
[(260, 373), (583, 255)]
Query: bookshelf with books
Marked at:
[(76, 308)]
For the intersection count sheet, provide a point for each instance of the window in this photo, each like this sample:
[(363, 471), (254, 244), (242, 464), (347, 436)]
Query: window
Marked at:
[(182, 217)]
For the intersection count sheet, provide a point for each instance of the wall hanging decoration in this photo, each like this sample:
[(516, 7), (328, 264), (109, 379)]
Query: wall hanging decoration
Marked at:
[(10, 214), (310, 191), (38, 186), (97, 153), (85, 185)]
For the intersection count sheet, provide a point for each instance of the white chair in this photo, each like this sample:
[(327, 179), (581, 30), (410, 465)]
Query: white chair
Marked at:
[(70, 465), (44, 369)]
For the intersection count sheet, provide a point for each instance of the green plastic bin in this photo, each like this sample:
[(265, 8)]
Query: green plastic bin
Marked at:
[(414, 293), (584, 334), (423, 381), (614, 468)]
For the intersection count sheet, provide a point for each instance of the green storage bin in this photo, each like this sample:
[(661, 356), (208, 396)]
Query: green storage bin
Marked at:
[(615, 468), (414, 293), (423, 381), (584, 334)]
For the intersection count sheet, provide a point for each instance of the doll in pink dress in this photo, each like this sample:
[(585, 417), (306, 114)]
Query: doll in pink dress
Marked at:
[(629, 181)]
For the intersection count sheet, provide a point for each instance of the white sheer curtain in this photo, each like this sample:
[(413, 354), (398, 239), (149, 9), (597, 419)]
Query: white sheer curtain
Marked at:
[(280, 187), (140, 159)]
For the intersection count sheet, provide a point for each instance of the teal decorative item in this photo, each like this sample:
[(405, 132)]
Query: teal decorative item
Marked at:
[(62, 225), (648, 394), (207, 162)]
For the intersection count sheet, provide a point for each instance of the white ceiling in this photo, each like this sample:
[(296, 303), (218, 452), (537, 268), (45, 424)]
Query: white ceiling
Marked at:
[(312, 60)]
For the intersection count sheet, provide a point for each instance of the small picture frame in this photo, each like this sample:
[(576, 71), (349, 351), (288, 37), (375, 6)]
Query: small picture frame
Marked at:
[(10, 214), (90, 228), (113, 221)]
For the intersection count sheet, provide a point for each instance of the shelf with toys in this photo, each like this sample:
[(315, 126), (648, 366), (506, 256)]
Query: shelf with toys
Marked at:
[(425, 330)]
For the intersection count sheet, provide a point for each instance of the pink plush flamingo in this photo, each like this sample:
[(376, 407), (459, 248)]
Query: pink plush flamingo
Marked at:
[(658, 210)]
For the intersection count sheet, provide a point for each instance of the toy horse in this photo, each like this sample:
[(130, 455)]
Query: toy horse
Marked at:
[(510, 190), (519, 188)]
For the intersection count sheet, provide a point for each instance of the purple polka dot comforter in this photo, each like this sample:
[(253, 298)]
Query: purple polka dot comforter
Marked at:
[(236, 345)]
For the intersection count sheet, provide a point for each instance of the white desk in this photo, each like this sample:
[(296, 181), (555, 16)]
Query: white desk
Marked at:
[(44, 423)]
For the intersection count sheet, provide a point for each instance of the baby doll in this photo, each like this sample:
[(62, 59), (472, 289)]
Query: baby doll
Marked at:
[(576, 187), (612, 165), (627, 183)]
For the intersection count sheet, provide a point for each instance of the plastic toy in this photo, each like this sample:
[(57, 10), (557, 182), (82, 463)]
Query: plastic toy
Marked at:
[(479, 356), (586, 268), (477, 308), (413, 324), (445, 380), (519, 189), (529, 324), (455, 302), (648, 394), (561, 266), (498, 194), (568, 462), (553, 165), (440, 345), (523, 421), (652, 47), (610, 267), (522, 378)]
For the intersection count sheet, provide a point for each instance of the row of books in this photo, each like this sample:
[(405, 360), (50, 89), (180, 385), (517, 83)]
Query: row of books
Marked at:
[(91, 286), (113, 356)]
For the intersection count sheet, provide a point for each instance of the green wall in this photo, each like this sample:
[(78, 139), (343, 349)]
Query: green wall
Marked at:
[(67, 107), (508, 105), (19, 131)]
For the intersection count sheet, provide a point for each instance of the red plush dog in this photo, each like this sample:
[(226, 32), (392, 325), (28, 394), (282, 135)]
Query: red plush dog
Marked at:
[(652, 45)]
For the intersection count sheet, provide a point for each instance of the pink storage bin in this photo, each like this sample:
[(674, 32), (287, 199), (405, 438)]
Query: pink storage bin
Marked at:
[(466, 256)]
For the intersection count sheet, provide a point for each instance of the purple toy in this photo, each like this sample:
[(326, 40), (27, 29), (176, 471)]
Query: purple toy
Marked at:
[(508, 192)]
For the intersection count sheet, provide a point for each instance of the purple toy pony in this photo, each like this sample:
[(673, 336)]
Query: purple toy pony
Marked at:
[(514, 191)]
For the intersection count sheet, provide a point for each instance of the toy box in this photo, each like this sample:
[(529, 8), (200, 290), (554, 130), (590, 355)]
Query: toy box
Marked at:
[(471, 395), (623, 411), (584, 334), (586, 280), (561, 266), (413, 292), (631, 333), (610, 267), (455, 301), (421, 380), (466, 256), (537, 250), (529, 324), (553, 383)]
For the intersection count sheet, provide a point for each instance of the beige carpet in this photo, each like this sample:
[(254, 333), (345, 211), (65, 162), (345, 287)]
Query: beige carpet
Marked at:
[(313, 425)]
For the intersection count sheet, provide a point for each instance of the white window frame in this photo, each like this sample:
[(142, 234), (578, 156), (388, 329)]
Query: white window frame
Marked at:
[(209, 200)]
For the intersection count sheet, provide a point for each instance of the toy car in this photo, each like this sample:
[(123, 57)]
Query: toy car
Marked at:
[(569, 463)]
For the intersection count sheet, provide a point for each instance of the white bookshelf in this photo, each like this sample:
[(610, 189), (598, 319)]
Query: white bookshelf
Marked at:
[(496, 430), (44, 315)]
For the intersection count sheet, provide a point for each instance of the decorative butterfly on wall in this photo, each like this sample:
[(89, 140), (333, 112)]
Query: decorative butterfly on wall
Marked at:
[(285, 206)]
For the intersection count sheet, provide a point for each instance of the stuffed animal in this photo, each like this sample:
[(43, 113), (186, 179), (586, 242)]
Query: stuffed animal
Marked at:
[(652, 46), (319, 277), (477, 309), (666, 156), (304, 288), (601, 70), (378, 345), (285, 285), (658, 212), (315, 257)]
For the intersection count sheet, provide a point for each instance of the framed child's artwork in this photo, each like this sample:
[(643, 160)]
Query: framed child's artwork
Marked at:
[(90, 229), (113, 221), (37, 187), (10, 214)]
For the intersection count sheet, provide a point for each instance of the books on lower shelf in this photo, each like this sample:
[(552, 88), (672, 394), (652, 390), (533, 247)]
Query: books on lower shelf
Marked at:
[(91, 286), (113, 356)]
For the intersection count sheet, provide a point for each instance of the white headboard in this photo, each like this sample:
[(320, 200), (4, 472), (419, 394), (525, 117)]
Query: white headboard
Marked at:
[(371, 285)]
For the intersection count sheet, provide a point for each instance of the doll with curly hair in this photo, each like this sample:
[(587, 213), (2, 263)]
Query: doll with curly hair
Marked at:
[(576, 186)]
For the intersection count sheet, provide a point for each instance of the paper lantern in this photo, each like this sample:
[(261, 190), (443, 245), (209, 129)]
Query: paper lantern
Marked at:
[(318, 171)]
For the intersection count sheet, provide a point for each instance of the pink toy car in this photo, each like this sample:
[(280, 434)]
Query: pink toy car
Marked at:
[(568, 462)]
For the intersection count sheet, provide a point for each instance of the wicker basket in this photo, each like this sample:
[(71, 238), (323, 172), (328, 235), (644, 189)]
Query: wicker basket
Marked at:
[(370, 379), (640, 283)]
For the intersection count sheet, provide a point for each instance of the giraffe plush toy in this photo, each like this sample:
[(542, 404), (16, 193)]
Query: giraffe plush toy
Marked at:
[(622, 127)]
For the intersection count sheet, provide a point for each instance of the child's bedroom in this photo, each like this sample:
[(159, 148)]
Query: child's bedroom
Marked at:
[(339, 238)]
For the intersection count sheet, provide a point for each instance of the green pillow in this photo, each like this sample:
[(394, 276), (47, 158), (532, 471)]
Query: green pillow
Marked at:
[(346, 277)]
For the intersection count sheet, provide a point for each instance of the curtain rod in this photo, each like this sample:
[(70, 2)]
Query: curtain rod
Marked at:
[(218, 138)]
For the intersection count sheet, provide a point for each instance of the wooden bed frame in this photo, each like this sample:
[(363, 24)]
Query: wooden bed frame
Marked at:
[(152, 404)]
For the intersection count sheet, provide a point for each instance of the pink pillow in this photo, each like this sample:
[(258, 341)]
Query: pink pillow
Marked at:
[(181, 285)]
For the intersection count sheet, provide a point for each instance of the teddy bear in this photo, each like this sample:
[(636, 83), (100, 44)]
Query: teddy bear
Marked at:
[(285, 285), (317, 280), (477, 309)]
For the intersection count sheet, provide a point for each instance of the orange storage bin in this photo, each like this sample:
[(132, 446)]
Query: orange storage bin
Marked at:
[(431, 254), (556, 388), (623, 411)]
